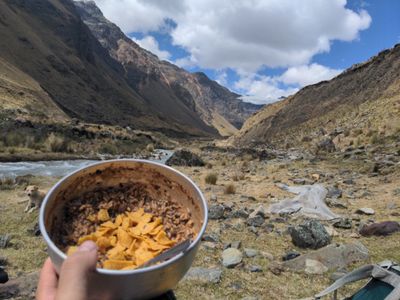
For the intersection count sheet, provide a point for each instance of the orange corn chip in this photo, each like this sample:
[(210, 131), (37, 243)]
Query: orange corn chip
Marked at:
[(162, 238), (150, 226), (103, 243), (124, 238), (135, 216), (90, 237), (103, 215)]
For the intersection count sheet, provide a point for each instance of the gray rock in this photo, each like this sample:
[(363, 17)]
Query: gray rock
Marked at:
[(310, 234), (213, 198), (240, 213), (344, 223), (5, 241), (301, 181), (255, 221), (216, 212), (334, 192), (208, 245), (290, 255), (211, 237), (333, 256), (326, 145), (253, 229), (365, 211), (255, 268), (348, 181), (231, 257), (249, 252), (204, 275)]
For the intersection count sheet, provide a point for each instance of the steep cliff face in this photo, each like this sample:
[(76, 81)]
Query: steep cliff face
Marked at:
[(163, 84), (367, 95), (75, 76)]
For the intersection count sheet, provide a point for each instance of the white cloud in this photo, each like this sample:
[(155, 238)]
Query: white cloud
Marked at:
[(244, 34), (261, 89), (308, 74), (151, 44)]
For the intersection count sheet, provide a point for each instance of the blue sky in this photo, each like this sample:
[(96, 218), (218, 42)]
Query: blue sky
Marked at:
[(262, 49)]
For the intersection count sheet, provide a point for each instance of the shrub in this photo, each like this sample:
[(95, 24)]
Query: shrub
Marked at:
[(55, 143), (230, 189), (211, 178), (150, 147), (374, 139), (108, 148), (13, 139), (6, 183)]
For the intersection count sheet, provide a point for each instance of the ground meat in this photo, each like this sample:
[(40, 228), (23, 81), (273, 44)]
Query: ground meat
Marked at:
[(116, 200)]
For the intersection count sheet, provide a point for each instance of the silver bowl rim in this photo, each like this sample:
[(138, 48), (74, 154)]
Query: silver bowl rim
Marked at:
[(134, 271)]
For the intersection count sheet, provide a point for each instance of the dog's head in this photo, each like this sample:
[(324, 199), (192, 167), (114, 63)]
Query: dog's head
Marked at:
[(31, 189)]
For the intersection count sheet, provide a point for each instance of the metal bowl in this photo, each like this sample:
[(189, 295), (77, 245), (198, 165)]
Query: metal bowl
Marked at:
[(141, 283)]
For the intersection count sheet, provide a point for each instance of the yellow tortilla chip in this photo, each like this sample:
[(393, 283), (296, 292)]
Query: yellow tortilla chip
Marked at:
[(91, 218), (147, 228), (103, 215), (103, 243), (163, 239), (124, 238), (89, 237), (126, 223), (136, 215), (118, 220), (143, 254)]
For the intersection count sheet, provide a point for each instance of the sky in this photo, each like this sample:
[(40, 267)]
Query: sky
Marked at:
[(261, 49)]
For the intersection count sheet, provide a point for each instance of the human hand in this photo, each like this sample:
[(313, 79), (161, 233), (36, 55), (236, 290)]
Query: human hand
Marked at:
[(73, 280)]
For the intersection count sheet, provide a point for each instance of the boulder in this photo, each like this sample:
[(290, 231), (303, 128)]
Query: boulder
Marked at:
[(204, 275), (185, 158), (314, 267), (334, 256), (365, 211), (344, 223), (380, 229), (231, 257), (311, 234)]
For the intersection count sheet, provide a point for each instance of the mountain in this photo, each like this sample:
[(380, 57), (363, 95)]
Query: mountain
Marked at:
[(360, 105), (53, 69), (163, 84)]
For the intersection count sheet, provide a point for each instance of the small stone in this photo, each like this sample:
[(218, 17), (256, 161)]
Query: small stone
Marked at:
[(35, 230), (253, 229), (211, 237), (315, 267), (276, 268), (240, 213), (391, 206), (250, 252), (3, 261), (268, 227), (213, 198), (231, 257), (256, 221), (290, 255), (365, 211), (216, 212), (332, 232), (343, 223), (204, 275), (334, 192), (349, 181), (354, 235), (255, 268), (3, 276), (5, 241), (301, 181)]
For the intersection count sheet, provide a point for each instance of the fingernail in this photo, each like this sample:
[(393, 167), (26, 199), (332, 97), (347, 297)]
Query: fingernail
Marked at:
[(87, 246)]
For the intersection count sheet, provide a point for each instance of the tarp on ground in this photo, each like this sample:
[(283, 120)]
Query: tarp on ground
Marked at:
[(309, 201)]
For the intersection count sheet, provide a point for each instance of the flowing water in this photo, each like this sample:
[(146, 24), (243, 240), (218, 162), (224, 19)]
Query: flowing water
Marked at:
[(60, 168)]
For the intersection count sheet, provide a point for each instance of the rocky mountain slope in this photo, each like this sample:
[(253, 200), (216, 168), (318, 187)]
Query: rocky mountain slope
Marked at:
[(163, 84), (359, 106), (54, 69)]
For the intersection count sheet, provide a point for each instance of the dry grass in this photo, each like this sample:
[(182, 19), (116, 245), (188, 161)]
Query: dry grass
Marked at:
[(211, 178), (229, 189)]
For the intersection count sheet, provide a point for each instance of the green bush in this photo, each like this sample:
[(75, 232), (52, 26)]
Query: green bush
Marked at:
[(108, 148), (211, 178), (6, 183)]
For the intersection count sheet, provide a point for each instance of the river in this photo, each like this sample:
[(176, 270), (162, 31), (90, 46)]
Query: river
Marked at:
[(60, 168)]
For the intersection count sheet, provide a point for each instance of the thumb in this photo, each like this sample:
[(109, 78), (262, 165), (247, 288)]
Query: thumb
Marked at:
[(75, 272)]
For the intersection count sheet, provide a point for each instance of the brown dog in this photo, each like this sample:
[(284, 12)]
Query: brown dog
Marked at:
[(36, 197)]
